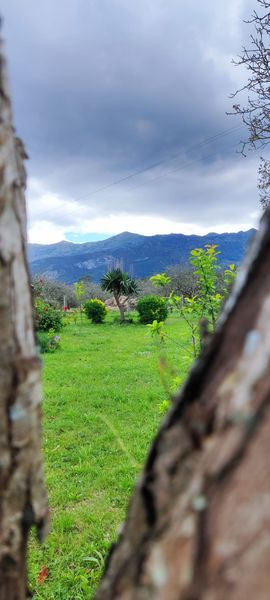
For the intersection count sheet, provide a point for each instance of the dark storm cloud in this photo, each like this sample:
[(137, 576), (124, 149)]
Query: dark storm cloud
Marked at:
[(105, 87)]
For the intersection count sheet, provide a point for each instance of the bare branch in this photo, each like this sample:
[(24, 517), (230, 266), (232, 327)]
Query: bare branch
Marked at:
[(256, 111)]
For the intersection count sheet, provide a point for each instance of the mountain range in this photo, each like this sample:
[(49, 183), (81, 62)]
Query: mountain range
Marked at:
[(140, 255)]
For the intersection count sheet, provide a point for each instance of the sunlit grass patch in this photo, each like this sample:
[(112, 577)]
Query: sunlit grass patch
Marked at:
[(102, 391)]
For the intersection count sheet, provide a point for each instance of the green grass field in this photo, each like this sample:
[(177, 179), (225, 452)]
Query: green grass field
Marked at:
[(102, 393)]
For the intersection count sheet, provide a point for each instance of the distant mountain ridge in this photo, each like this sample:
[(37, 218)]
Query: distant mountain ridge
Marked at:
[(139, 254)]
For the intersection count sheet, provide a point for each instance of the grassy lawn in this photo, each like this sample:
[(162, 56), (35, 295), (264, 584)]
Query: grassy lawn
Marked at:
[(101, 410)]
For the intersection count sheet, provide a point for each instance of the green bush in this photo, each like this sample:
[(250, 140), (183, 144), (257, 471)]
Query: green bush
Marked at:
[(152, 308), (53, 292), (95, 310), (46, 316), (47, 341)]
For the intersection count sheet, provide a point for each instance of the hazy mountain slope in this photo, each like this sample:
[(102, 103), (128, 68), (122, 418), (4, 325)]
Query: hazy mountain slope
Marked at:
[(141, 255), (39, 251)]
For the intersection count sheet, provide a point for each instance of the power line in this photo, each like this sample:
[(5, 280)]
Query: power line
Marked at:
[(151, 167), (161, 162), (179, 168)]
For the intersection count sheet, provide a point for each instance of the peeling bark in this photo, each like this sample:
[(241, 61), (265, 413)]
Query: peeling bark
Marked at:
[(23, 500), (198, 525)]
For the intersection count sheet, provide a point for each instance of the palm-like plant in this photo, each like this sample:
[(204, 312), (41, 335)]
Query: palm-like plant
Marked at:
[(120, 284)]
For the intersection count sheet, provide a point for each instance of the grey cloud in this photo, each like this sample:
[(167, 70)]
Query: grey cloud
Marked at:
[(105, 87), (223, 193)]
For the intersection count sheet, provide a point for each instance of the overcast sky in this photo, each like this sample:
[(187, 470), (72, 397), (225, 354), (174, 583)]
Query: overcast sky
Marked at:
[(104, 89)]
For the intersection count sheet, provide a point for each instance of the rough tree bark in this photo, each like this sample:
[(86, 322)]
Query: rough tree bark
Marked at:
[(23, 499), (198, 525)]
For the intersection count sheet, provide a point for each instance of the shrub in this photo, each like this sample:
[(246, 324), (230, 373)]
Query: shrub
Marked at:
[(53, 292), (95, 310), (71, 316), (47, 341), (152, 308), (46, 316)]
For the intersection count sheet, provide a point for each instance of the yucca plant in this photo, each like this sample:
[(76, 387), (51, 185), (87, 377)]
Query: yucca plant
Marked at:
[(122, 286)]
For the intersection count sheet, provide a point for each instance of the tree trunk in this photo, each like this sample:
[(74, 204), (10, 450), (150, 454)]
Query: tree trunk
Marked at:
[(23, 500), (121, 308), (198, 525)]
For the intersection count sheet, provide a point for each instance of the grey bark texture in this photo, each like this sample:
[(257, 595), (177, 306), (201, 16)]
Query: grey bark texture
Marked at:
[(198, 525), (23, 500)]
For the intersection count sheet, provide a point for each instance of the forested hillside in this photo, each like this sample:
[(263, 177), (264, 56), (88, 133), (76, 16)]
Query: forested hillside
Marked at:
[(141, 255)]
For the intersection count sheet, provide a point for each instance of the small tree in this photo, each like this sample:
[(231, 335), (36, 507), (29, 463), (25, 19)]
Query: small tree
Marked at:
[(79, 289), (122, 286), (160, 280), (201, 310), (255, 112), (54, 292), (183, 281)]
